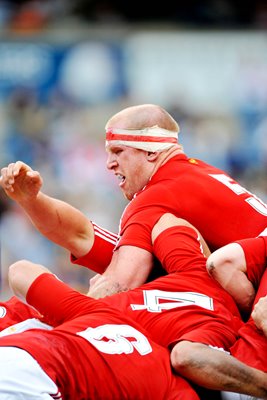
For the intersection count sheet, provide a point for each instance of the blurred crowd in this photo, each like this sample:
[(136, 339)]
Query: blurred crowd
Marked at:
[(59, 141), (62, 141), (19, 15)]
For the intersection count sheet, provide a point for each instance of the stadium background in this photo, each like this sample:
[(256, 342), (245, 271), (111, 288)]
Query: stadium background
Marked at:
[(66, 68)]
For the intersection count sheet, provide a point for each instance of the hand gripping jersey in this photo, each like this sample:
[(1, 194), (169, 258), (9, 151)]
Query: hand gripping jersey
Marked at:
[(221, 209), (251, 347), (95, 352)]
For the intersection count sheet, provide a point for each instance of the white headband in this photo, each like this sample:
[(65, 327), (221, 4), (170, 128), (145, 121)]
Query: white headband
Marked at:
[(148, 139)]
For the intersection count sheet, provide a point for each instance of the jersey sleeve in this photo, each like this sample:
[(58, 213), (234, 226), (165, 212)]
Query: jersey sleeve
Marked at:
[(251, 347), (139, 234), (56, 301), (178, 249), (141, 215), (99, 257), (255, 250)]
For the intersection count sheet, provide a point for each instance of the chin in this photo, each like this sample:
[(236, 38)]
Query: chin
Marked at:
[(128, 196)]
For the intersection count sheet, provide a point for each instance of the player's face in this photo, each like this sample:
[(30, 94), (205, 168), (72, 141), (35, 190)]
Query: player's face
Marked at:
[(130, 166)]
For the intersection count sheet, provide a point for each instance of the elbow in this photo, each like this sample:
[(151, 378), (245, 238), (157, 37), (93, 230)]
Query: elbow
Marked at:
[(186, 357), (16, 272), (212, 266), (218, 265)]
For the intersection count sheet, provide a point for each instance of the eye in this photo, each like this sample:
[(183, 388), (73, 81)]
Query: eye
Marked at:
[(117, 150)]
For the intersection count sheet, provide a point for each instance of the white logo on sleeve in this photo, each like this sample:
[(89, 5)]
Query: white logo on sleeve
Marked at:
[(2, 312)]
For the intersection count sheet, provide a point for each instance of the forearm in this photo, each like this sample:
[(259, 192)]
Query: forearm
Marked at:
[(217, 370), (129, 268), (61, 223), (239, 287), (227, 266), (55, 219)]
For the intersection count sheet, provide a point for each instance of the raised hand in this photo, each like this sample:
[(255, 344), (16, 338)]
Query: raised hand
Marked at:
[(20, 182)]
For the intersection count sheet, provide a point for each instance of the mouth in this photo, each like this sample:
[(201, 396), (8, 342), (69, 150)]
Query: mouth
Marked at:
[(121, 179)]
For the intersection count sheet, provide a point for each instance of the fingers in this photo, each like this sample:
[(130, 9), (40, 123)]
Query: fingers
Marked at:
[(259, 314), (7, 178), (12, 171), (92, 282), (94, 279), (261, 305)]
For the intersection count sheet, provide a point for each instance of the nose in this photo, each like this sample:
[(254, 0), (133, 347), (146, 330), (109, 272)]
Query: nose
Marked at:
[(111, 161)]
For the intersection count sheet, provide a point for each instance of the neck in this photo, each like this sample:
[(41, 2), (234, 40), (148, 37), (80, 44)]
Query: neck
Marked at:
[(166, 156)]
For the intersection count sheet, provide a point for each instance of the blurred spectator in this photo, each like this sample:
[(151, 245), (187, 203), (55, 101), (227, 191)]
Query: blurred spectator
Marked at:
[(26, 137), (35, 15), (260, 20), (6, 13)]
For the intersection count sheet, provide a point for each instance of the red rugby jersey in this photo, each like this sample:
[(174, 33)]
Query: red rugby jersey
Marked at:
[(14, 310), (208, 198), (96, 352), (186, 304), (251, 347)]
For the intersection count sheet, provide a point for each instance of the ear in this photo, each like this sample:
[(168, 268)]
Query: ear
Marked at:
[(152, 156)]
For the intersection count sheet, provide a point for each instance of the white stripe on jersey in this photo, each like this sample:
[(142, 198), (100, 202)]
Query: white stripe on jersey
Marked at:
[(264, 232), (105, 234)]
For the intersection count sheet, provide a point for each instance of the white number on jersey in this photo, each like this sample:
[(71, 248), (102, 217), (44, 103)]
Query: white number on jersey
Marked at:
[(253, 200), (117, 339), (158, 300)]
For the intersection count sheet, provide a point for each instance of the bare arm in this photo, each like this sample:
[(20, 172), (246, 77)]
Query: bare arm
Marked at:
[(129, 268), (217, 370), (21, 275), (259, 314), (55, 219), (227, 265)]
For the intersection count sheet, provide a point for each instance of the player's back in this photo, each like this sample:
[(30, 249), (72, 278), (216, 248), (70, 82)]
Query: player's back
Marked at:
[(99, 354)]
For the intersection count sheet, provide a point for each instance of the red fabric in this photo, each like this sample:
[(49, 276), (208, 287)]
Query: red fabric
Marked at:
[(251, 347), (139, 138), (99, 257), (13, 311), (186, 304), (193, 190), (73, 362), (255, 254), (178, 249)]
